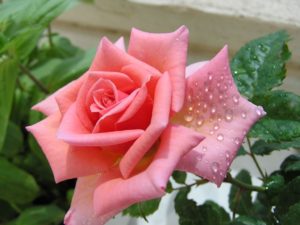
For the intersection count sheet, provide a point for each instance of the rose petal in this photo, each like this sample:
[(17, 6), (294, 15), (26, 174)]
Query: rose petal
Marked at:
[(151, 183), (68, 161), (215, 108), (67, 94), (165, 52), (73, 132), (192, 68), (111, 58), (81, 210), (159, 121), (120, 44)]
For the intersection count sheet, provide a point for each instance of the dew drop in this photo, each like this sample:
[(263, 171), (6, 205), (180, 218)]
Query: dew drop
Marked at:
[(190, 108), (220, 137), (235, 99), (211, 132), (200, 121), (206, 89), (196, 84), (221, 97), (204, 148), (244, 115), (205, 107), (215, 167), (260, 111), (216, 126), (189, 98), (237, 141), (227, 155), (228, 115), (210, 77), (210, 97), (188, 117), (199, 157), (213, 110)]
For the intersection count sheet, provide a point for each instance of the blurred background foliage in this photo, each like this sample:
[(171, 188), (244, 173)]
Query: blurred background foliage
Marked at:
[(35, 62)]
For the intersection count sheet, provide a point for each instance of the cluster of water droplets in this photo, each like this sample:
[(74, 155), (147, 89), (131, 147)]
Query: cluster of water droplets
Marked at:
[(209, 104)]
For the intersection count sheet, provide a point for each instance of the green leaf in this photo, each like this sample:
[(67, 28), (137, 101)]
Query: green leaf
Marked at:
[(261, 147), (274, 130), (259, 66), (179, 177), (292, 217), (142, 209), (241, 151), (6, 211), (13, 141), (289, 196), (17, 186), (274, 184), (190, 214), (8, 76), (239, 199), (46, 215), (246, 220), (291, 164)]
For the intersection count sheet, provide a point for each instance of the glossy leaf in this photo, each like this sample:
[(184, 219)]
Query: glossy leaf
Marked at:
[(17, 186), (261, 147), (259, 66), (291, 164), (189, 213), (8, 76), (142, 209)]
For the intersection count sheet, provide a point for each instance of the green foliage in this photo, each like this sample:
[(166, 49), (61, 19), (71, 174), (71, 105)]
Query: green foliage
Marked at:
[(17, 186), (46, 215), (142, 209), (239, 199), (179, 177), (246, 220), (259, 66), (189, 213)]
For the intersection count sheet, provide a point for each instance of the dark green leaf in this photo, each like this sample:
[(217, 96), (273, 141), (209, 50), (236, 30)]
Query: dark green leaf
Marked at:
[(143, 209), (292, 217), (241, 151), (8, 76), (6, 211), (17, 186), (179, 177), (273, 130), (289, 196), (41, 215), (13, 141), (239, 199), (261, 147), (259, 66), (274, 184), (280, 104), (246, 220), (291, 164), (190, 214)]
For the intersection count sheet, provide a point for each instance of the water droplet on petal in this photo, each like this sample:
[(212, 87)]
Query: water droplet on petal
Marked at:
[(235, 99), (237, 141), (260, 111), (213, 110), (188, 117), (210, 97), (228, 115), (204, 148), (220, 137), (200, 121), (205, 107), (211, 132), (190, 108), (215, 167), (196, 84), (206, 89), (210, 77), (216, 126), (227, 155), (199, 157), (244, 115)]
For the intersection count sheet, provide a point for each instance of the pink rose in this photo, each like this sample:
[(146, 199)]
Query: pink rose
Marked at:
[(134, 117)]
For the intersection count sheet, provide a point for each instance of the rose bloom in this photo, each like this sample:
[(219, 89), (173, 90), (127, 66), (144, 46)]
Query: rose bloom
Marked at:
[(135, 116)]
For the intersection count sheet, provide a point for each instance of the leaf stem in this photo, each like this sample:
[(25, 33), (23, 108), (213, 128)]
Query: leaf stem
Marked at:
[(26, 71), (242, 185), (197, 183), (49, 34), (254, 159)]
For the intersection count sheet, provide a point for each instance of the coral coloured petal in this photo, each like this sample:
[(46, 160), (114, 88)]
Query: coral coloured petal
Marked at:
[(159, 121), (67, 161), (215, 108), (165, 52), (151, 183)]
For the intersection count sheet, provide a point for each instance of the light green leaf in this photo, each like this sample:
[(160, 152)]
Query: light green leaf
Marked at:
[(8, 76), (17, 186)]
